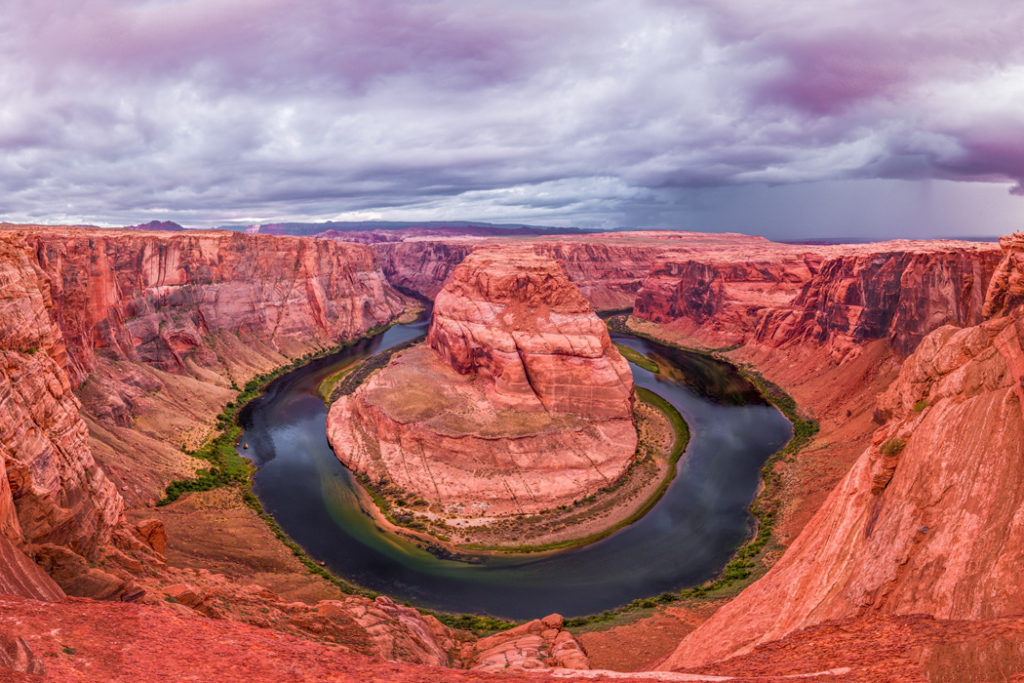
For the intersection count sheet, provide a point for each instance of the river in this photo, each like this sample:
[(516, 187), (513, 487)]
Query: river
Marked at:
[(684, 540)]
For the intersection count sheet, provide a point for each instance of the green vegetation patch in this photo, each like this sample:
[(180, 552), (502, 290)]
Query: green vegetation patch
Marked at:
[(351, 381), (479, 625), (891, 447), (227, 467), (326, 387), (637, 358)]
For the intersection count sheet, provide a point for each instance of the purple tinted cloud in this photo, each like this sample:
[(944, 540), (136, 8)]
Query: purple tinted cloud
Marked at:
[(596, 113)]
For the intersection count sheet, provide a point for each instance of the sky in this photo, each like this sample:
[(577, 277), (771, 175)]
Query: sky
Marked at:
[(793, 119)]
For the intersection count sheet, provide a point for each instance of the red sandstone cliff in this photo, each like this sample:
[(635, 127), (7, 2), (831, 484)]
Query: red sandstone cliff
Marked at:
[(927, 520), (514, 318), (156, 298), (837, 297), (156, 327), (521, 403), (138, 322), (52, 490), (608, 268)]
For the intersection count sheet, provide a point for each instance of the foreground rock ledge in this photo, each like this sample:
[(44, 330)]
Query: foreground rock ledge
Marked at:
[(518, 403)]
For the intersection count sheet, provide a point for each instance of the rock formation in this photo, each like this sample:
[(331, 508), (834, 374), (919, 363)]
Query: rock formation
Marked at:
[(515, 319), (156, 298), (927, 519), (129, 318), (608, 268), (837, 297), (152, 329), (537, 644), (520, 402), (52, 490), (21, 576)]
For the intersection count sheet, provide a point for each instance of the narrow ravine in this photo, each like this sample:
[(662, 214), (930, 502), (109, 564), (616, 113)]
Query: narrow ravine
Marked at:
[(684, 539)]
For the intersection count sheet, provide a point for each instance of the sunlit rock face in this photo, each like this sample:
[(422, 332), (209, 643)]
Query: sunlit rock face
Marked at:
[(518, 402), (514, 318)]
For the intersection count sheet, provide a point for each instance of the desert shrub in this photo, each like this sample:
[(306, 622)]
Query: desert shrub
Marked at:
[(891, 447)]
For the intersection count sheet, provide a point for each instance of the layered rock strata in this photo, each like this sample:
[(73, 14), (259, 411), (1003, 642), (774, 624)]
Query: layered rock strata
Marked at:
[(149, 331), (518, 403), (156, 298), (927, 519), (608, 268), (155, 330), (51, 489), (837, 297)]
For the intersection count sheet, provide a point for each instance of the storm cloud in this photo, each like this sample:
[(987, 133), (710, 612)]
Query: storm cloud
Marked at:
[(591, 113)]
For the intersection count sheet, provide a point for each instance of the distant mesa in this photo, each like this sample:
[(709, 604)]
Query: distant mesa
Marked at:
[(396, 231), (517, 403), (168, 226)]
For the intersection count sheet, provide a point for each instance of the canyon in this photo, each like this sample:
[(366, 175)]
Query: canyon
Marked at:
[(608, 268), (895, 539)]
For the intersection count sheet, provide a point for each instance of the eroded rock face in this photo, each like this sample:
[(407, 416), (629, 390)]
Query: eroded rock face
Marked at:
[(837, 297), (52, 490), (608, 268), (397, 632), (421, 266), (1007, 290), (154, 298), (161, 324), (520, 402), (21, 576), (896, 294), (724, 297), (928, 519), (514, 318), (128, 318), (537, 644)]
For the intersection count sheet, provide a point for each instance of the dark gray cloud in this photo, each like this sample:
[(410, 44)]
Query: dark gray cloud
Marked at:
[(720, 114)]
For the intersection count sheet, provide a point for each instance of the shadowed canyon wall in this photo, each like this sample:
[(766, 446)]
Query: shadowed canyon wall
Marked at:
[(608, 268), (138, 322), (836, 297)]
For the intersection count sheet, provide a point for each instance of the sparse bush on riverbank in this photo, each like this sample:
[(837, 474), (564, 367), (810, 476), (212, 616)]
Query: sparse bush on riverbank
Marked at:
[(637, 358), (228, 468)]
